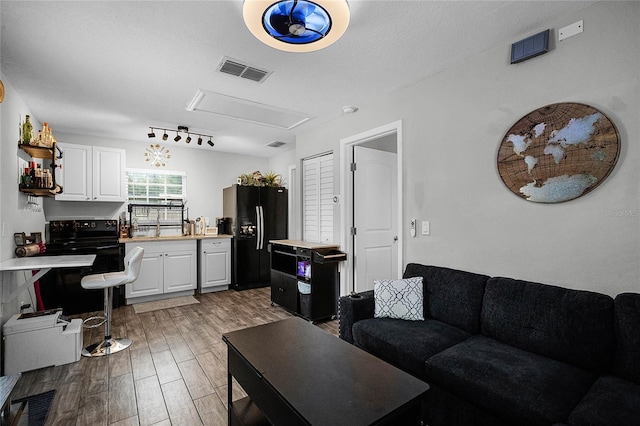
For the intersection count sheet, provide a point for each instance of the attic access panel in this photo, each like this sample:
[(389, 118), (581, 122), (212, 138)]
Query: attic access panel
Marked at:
[(245, 110)]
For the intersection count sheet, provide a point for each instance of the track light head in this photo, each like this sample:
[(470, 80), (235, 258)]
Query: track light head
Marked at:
[(210, 142), (151, 134), (177, 138), (165, 136), (200, 141), (188, 139)]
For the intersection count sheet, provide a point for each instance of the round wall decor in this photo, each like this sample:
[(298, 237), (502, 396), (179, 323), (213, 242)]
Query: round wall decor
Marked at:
[(157, 155), (558, 152)]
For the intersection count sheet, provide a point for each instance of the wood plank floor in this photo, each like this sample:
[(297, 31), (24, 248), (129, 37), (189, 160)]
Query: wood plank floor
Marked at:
[(174, 373)]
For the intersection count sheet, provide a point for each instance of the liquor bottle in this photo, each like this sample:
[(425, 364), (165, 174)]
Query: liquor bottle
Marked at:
[(27, 131)]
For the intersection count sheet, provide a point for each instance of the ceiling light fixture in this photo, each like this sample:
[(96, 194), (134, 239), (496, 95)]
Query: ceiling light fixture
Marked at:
[(297, 25), (180, 129)]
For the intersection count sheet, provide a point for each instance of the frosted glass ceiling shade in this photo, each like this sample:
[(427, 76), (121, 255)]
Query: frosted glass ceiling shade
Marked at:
[(297, 25)]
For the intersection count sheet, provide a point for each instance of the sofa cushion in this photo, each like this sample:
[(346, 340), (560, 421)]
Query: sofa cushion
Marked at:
[(611, 401), (451, 296), (573, 326), (405, 344), (400, 299), (521, 386), (627, 320)]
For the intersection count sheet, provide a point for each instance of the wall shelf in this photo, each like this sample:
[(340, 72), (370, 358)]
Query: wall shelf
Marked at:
[(43, 153)]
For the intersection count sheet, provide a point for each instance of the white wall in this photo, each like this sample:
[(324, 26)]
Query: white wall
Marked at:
[(208, 172), (453, 124), (13, 215), (280, 164)]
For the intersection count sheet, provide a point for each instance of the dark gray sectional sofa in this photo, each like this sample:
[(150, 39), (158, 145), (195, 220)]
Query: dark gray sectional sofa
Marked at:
[(500, 351)]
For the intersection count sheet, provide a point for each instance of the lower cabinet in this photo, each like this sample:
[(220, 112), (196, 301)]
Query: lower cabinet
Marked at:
[(214, 264), (167, 267)]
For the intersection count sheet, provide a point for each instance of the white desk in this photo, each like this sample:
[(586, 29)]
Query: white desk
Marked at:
[(42, 264)]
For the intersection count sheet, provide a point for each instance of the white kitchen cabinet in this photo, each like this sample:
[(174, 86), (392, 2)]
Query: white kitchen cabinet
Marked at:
[(214, 265), (168, 267), (91, 173)]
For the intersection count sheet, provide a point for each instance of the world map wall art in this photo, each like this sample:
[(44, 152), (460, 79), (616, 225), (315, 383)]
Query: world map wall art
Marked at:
[(558, 152)]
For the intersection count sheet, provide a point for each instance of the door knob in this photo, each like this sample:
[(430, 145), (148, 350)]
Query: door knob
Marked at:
[(395, 238)]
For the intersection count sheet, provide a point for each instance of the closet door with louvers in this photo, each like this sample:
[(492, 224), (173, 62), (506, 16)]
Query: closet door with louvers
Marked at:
[(317, 198)]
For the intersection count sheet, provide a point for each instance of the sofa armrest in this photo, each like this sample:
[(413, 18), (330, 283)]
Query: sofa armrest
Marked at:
[(352, 309)]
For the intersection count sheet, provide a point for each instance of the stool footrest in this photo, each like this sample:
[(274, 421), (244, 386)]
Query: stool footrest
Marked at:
[(102, 319)]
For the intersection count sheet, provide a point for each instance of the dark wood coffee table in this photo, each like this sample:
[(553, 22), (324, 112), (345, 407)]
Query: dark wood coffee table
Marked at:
[(297, 374)]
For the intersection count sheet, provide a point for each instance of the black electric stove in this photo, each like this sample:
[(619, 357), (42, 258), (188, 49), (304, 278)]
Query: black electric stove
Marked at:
[(60, 288)]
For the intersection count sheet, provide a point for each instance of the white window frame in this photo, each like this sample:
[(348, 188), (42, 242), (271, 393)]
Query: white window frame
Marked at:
[(317, 198), (164, 198)]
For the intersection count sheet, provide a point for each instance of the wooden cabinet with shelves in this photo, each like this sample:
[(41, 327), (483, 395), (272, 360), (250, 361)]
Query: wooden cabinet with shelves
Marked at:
[(304, 278), (167, 267), (50, 154)]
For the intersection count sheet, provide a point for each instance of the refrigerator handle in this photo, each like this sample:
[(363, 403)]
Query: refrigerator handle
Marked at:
[(257, 227), (261, 228)]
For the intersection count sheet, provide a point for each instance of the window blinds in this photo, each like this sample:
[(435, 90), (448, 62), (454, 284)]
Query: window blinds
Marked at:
[(317, 198)]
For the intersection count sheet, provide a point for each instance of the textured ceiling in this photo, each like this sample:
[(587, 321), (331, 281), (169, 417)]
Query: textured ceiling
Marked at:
[(115, 68)]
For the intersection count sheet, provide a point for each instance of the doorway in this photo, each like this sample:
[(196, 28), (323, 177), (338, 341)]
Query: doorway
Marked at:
[(371, 208)]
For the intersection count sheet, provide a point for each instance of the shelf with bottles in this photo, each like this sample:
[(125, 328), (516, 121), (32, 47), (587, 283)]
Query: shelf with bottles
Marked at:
[(35, 179)]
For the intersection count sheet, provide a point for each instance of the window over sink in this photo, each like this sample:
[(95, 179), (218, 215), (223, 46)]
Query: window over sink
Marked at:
[(155, 186)]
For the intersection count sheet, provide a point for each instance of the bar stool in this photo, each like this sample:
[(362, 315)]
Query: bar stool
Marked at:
[(107, 281)]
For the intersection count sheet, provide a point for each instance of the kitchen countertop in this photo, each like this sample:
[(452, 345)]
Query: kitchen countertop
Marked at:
[(304, 244), (173, 238)]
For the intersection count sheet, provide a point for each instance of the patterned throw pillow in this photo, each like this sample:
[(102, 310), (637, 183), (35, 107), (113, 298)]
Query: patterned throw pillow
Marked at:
[(401, 299)]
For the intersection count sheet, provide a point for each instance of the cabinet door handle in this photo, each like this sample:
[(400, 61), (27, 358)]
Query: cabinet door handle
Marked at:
[(281, 289)]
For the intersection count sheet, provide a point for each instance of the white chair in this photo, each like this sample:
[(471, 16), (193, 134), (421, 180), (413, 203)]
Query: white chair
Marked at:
[(107, 281)]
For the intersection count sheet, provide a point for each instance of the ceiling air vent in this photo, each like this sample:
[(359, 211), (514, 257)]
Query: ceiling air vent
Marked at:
[(275, 144), (242, 70)]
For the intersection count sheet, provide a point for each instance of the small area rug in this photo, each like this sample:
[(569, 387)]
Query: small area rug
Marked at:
[(37, 407), (157, 305)]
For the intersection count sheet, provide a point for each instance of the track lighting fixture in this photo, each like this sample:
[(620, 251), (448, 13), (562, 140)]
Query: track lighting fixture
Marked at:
[(180, 129)]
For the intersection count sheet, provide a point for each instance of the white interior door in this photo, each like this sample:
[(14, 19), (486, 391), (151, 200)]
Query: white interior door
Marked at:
[(375, 216)]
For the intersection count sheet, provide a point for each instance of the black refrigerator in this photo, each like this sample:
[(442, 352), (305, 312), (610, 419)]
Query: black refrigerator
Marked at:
[(258, 215)]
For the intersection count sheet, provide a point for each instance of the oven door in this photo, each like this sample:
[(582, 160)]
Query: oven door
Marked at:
[(60, 287)]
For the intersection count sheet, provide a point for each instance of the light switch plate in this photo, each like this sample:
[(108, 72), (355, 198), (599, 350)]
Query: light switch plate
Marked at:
[(425, 227)]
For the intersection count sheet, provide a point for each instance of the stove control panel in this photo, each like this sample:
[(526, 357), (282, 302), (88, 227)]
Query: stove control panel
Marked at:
[(82, 225)]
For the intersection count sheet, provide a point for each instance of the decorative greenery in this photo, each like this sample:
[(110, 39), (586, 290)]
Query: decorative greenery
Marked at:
[(258, 179)]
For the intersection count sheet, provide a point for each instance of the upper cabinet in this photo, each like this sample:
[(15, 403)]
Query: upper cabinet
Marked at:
[(92, 173)]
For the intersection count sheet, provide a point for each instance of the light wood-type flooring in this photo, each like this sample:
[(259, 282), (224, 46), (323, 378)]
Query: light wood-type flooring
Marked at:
[(174, 373)]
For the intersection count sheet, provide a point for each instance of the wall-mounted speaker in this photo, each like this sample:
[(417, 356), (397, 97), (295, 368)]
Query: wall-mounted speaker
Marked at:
[(530, 47)]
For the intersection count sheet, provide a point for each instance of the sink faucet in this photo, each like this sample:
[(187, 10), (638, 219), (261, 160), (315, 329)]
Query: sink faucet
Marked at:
[(158, 225)]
